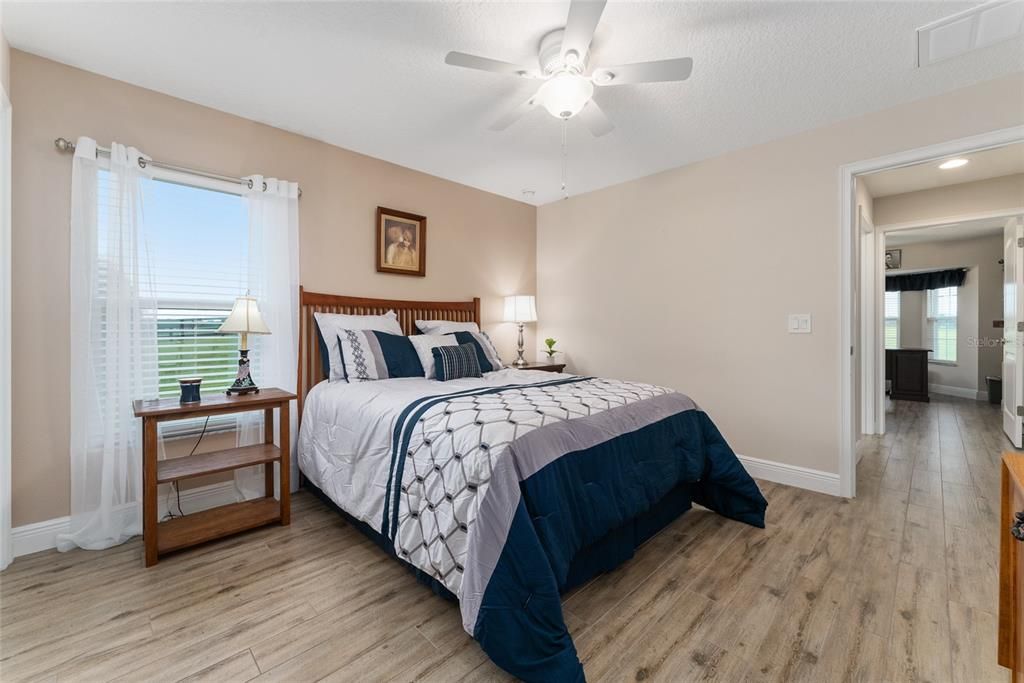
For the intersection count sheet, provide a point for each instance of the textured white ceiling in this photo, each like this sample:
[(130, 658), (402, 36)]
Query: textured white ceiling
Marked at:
[(369, 76), (991, 163)]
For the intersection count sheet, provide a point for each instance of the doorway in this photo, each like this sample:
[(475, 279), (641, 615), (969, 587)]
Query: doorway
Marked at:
[(862, 271)]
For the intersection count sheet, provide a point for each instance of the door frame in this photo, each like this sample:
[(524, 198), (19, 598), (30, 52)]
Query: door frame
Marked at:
[(6, 143), (848, 223)]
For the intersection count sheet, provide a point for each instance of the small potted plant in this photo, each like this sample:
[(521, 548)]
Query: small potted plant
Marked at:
[(550, 351)]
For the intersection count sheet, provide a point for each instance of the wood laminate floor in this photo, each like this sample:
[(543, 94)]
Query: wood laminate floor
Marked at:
[(899, 584)]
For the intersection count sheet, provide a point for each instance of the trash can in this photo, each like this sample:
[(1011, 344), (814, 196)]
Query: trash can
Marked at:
[(995, 390)]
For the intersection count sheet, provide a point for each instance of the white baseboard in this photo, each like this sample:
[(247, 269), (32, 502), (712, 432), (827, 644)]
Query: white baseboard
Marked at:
[(33, 538), (959, 392), (792, 475)]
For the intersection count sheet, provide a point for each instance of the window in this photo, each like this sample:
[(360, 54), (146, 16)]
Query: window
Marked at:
[(197, 241), (940, 324), (892, 320), (196, 246)]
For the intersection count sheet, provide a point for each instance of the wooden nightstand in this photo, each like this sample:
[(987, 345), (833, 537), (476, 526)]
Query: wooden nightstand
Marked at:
[(182, 532), (546, 367)]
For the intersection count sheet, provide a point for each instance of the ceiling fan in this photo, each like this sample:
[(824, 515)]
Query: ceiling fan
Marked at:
[(567, 90)]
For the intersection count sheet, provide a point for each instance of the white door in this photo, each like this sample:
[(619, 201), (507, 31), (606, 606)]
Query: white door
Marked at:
[(1013, 338)]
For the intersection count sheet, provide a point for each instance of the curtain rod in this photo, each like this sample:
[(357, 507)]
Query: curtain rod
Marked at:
[(65, 145), (920, 271)]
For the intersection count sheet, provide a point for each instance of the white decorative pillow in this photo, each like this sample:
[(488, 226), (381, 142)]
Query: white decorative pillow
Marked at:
[(445, 327), (332, 324), (424, 345)]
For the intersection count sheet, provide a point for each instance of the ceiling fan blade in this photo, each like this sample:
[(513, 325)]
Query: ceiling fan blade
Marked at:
[(593, 117), (485, 64), (644, 72), (584, 16), (514, 115)]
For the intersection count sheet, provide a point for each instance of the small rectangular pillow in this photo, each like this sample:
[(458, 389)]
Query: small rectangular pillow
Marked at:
[(330, 325), (445, 327), (369, 354), (486, 354), (455, 362)]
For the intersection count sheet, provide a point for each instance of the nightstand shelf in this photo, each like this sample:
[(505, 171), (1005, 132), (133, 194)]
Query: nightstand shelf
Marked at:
[(215, 461), (182, 532), (545, 366)]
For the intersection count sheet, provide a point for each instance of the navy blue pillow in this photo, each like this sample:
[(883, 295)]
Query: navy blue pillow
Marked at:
[(481, 357), (454, 362), (325, 356), (399, 355)]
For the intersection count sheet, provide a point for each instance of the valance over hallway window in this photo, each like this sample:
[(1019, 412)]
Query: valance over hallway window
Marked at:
[(934, 279)]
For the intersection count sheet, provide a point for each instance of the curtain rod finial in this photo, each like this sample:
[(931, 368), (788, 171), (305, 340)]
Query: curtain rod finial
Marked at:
[(64, 145)]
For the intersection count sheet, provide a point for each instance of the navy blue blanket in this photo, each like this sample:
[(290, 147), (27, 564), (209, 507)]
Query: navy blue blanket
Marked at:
[(505, 496)]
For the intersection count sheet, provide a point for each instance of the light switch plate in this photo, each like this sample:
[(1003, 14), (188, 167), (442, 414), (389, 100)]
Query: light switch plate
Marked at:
[(799, 323)]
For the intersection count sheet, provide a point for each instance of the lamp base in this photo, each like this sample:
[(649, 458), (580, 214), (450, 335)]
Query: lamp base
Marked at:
[(521, 360), (243, 383)]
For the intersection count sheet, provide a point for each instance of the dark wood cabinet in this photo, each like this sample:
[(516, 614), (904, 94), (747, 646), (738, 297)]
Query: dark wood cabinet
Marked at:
[(907, 369)]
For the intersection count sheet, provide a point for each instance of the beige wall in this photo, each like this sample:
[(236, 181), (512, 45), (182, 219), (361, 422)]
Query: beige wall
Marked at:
[(994, 194), (685, 278), (979, 304), (480, 244)]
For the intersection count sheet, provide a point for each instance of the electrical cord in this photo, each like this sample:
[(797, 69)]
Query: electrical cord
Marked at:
[(174, 484)]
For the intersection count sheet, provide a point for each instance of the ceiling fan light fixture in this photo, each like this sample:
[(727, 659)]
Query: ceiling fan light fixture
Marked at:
[(565, 94)]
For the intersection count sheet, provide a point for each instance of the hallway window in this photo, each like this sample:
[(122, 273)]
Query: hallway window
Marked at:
[(892, 320), (941, 324)]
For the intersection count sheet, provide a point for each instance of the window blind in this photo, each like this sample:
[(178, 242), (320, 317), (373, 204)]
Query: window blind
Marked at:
[(892, 320), (194, 257), (941, 314)]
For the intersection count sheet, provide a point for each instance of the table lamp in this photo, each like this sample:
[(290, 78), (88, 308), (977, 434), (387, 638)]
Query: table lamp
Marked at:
[(244, 319), (520, 309)]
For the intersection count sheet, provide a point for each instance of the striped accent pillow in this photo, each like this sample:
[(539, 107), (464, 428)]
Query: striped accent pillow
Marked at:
[(454, 362), (369, 354)]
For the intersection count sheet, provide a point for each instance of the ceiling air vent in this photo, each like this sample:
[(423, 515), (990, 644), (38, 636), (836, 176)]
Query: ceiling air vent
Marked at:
[(978, 27)]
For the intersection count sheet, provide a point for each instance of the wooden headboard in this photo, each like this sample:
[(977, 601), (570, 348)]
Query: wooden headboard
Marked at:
[(310, 372)]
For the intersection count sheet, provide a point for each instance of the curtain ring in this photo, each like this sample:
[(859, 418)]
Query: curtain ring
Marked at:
[(142, 163), (264, 186), (250, 183)]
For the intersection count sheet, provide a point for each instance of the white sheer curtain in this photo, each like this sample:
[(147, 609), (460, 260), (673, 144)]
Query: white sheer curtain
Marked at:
[(111, 325), (273, 208)]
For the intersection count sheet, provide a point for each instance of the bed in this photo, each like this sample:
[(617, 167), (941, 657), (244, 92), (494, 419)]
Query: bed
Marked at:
[(503, 492)]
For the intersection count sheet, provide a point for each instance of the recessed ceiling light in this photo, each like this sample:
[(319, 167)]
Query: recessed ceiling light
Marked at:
[(952, 163)]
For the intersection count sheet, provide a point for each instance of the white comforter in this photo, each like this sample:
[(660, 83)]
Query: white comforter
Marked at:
[(345, 436)]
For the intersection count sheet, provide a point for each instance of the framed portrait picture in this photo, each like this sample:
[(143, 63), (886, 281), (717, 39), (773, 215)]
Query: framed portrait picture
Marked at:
[(401, 242), (893, 259)]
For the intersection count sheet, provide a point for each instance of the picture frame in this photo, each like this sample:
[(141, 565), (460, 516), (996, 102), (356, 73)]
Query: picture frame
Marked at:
[(401, 242), (893, 259)]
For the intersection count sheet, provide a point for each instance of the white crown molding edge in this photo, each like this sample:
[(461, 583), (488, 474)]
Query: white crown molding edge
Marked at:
[(791, 475), (39, 536)]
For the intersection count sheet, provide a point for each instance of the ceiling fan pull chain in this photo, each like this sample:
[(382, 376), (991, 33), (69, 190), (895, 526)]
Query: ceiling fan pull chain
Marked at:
[(565, 159)]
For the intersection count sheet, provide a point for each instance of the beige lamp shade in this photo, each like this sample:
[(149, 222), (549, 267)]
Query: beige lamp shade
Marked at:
[(521, 308), (244, 318)]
